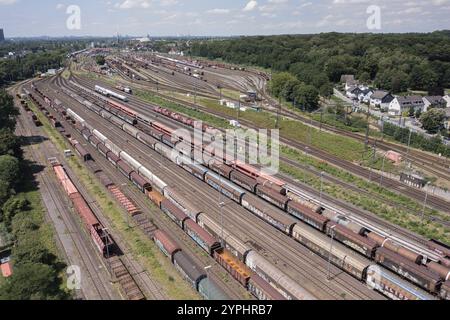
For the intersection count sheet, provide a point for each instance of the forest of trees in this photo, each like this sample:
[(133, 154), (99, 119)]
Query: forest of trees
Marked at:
[(33, 56), (36, 270), (394, 62)]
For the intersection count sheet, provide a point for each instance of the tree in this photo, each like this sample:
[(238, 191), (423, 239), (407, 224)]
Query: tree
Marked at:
[(411, 112), (422, 77), (29, 249), (9, 143), (100, 60), (418, 113), (279, 81), (32, 281), (7, 111), (9, 170), (11, 207), (307, 97), (433, 120)]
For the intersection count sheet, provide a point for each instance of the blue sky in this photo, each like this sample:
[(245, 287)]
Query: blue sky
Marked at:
[(209, 17)]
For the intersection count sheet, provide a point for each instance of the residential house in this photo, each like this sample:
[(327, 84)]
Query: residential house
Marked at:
[(447, 119), (447, 100), (433, 101), (349, 81), (405, 103), (381, 99), (365, 95), (353, 92)]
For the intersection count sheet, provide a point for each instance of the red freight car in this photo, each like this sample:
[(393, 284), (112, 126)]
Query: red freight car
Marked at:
[(167, 245)]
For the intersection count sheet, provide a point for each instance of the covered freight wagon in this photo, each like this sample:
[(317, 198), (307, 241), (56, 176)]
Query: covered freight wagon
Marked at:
[(393, 286), (140, 182), (353, 240), (340, 256), (262, 290), (225, 187), (307, 215), (86, 156), (243, 181), (190, 270), (173, 212), (124, 168), (409, 270), (201, 237), (166, 244), (210, 290), (273, 216), (230, 241), (272, 196), (289, 288)]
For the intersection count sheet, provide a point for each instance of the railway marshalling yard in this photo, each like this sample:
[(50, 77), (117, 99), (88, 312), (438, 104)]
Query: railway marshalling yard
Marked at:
[(327, 226)]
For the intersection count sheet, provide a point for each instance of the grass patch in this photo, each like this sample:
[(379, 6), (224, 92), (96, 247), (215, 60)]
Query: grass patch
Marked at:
[(142, 247)]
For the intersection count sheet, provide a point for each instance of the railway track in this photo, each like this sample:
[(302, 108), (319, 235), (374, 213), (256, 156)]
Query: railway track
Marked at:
[(380, 223), (206, 202), (163, 224), (82, 245), (419, 195), (115, 263)]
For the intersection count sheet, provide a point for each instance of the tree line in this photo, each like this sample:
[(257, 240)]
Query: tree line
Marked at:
[(394, 62), (36, 270)]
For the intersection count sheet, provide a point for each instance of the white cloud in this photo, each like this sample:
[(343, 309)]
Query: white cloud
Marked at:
[(7, 2), (130, 4), (218, 11), (251, 5), (59, 6)]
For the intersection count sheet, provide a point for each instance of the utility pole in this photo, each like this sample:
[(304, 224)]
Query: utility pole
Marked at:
[(321, 119), (382, 169), (368, 127), (407, 150), (321, 186), (425, 201), (329, 253), (278, 113)]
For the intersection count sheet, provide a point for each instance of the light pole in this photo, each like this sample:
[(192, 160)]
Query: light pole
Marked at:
[(425, 201), (304, 172), (321, 185), (105, 233), (382, 169), (329, 254), (207, 276), (221, 205)]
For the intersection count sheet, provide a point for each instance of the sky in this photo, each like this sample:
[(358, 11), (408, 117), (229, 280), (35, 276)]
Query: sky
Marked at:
[(23, 18)]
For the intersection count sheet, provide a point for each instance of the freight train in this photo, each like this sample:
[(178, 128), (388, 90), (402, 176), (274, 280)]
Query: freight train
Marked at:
[(110, 93), (329, 222), (341, 256), (94, 227), (282, 225), (207, 287)]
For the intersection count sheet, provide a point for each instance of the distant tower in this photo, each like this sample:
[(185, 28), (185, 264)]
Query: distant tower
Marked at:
[(2, 36)]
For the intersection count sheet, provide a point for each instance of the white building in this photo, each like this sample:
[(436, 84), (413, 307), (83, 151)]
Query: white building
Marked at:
[(381, 99), (365, 95), (405, 103), (435, 101)]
